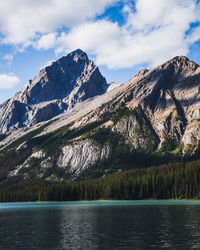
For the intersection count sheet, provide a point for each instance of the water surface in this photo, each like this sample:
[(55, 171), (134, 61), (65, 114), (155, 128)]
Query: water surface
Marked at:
[(100, 225)]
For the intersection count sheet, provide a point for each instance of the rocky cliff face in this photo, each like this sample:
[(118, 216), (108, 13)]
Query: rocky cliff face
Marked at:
[(152, 118), (57, 88), (168, 97)]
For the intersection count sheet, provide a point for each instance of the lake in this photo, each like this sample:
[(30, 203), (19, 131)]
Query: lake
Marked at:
[(100, 225)]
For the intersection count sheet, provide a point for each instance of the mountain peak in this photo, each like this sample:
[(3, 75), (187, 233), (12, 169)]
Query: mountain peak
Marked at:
[(180, 58), (57, 88), (181, 64), (77, 55), (76, 52), (153, 88)]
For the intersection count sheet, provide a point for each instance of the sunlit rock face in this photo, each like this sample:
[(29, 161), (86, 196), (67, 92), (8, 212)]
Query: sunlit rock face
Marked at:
[(169, 98)]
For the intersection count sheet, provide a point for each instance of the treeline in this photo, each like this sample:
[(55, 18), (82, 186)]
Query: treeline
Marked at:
[(169, 181)]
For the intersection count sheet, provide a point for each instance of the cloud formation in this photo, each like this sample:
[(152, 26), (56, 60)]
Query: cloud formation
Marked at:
[(153, 32), (23, 20), (8, 81)]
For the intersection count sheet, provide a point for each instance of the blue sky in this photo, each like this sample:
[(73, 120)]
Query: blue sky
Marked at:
[(120, 36)]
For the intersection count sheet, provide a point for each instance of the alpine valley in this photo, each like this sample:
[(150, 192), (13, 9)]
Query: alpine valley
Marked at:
[(70, 135)]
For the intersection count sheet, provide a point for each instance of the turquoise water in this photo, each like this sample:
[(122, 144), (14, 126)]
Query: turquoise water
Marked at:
[(149, 224)]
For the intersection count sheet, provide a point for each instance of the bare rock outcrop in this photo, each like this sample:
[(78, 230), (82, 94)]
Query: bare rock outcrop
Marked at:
[(57, 88)]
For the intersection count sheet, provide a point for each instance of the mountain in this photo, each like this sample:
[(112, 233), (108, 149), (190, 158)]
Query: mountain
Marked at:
[(151, 119), (168, 98), (57, 88)]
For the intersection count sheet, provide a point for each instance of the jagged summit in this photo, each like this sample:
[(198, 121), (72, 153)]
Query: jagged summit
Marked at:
[(183, 62), (77, 57), (168, 74), (179, 65), (60, 78), (58, 87), (78, 54), (183, 59)]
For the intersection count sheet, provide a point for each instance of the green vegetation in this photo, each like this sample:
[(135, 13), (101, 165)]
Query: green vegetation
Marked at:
[(104, 136), (123, 154), (169, 144), (189, 148), (50, 143), (121, 113), (117, 114), (170, 181), (53, 142)]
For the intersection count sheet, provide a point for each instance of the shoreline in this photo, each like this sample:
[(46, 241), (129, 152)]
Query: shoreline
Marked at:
[(92, 201)]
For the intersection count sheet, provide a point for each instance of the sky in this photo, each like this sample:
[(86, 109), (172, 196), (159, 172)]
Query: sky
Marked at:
[(121, 37)]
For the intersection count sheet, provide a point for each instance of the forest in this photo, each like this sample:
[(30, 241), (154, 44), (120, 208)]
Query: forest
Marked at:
[(169, 181)]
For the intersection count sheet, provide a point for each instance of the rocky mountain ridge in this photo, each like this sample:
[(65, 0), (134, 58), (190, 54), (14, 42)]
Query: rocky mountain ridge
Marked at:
[(153, 118), (57, 88)]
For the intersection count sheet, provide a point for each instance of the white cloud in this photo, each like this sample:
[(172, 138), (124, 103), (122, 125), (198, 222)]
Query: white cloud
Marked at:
[(154, 32), (94, 37), (8, 81), (9, 58), (157, 13), (194, 36), (23, 20), (46, 41)]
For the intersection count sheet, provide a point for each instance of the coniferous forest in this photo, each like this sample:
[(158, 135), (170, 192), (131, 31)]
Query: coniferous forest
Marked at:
[(169, 181)]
